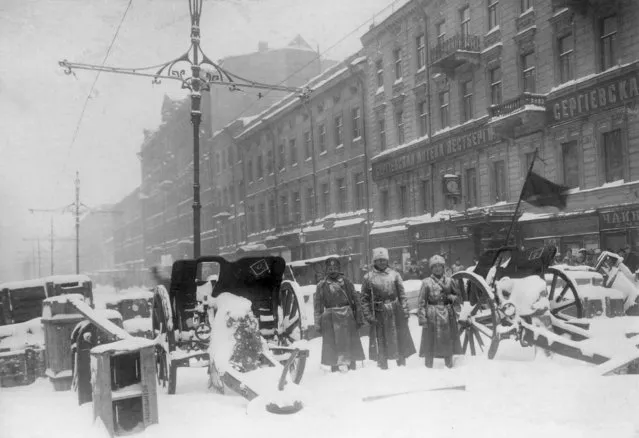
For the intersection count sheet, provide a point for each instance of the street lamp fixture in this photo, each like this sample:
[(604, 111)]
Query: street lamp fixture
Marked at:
[(203, 74)]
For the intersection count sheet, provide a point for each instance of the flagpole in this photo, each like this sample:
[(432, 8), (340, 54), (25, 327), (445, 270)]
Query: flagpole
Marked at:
[(521, 194)]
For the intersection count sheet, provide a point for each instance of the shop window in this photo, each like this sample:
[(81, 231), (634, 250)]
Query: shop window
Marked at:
[(384, 205), (471, 187), (326, 198), (570, 163), (444, 109), (528, 72), (494, 76), (425, 193), (403, 201), (608, 37), (613, 156), (359, 190), (499, 181), (566, 46), (341, 195), (381, 131), (467, 100)]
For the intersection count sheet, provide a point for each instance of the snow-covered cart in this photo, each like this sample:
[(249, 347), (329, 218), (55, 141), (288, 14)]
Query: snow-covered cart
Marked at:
[(517, 294), (182, 323)]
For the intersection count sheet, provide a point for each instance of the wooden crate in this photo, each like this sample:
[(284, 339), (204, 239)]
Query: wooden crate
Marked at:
[(20, 367), (124, 386)]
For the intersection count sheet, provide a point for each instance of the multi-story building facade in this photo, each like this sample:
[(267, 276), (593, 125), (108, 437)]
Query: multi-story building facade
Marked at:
[(301, 179), (128, 240), (506, 79)]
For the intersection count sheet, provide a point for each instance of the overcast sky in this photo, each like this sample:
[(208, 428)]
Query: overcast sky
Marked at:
[(40, 106)]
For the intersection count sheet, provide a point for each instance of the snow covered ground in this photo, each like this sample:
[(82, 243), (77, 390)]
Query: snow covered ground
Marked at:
[(517, 394)]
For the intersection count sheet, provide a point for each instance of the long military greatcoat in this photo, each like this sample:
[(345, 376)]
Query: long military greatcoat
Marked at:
[(386, 309), (440, 334), (338, 316)]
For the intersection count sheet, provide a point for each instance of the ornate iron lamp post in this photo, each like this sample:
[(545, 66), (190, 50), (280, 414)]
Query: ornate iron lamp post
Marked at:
[(204, 73)]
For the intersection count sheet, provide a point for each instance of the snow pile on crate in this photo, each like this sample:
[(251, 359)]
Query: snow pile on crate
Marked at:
[(235, 337), (17, 336), (106, 294), (137, 326)]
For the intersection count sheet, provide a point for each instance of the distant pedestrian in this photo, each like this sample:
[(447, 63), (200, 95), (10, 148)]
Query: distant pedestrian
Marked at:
[(440, 334), (386, 309), (457, 266), (338, 317)]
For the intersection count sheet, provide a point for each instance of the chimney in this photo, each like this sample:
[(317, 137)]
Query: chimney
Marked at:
[(262, 46)]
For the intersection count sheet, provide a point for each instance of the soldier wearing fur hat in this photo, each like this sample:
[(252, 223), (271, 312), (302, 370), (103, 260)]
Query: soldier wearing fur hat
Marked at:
[(386, 309), (338, 317), (438, 294)]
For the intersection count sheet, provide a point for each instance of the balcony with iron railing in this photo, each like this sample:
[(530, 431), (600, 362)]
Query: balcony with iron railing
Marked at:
[(527, 109), (454, 52)]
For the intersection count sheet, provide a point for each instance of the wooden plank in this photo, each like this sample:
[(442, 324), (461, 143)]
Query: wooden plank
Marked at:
[(102, 323), (149, 386)]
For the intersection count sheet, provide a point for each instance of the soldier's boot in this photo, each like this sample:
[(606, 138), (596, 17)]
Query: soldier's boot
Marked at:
[(428, 362), (401, 362), (448, 360), (334, 368), (352, 365), (383, 364)]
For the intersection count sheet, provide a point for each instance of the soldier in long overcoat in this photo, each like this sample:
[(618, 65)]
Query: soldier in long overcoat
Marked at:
[(440, 334), (386, 309), (338, 317)]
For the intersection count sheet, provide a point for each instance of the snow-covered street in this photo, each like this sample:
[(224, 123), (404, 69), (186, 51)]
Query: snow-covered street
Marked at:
[(517, 394)]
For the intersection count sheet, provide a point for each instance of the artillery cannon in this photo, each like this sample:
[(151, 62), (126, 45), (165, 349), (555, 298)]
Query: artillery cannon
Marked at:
[(516, 294)]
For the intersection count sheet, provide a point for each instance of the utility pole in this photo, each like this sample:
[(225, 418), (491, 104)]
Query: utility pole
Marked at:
[(203, 74), (77, 222)]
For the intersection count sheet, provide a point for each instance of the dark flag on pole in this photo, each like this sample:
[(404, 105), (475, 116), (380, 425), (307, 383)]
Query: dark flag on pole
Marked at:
[(541, 192)]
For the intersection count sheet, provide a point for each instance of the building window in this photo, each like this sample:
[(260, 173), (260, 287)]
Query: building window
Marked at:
[(326, 199), (224, 159), (464, 18), (399, 125), (379, 67), (471, 187), (341, 195), (425, 196), (525, 5), (467, 100), (420, 43), (356, 118), (397, 60), (440, 29), (242, 191), (384, 205), (260, 166), (359, 191), (381, 130), (613, 155), (338, 130), (422, 113), (229, 157), (251, 222), (249, 170), (284, 206), (297, 207), (292, 147), (528, 72), (271, 212), (308, 146), (495, 85), (282, 156), (322, 138), (493, 20), (269, 162), (403, 201), (566, 46), (608, 31), (570, 162), (217, 163), (262, 216), (309, 204), (499, 179), (444, 103)]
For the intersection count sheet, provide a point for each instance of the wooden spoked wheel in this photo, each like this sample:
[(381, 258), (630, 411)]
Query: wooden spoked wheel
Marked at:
[(289, 316), (161, 322), (564, 299), (478, 318)]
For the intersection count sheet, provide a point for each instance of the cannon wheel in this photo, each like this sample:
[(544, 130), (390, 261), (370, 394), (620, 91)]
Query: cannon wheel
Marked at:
[(478, 320), (162, 324), (289, 327), (563, 307)]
